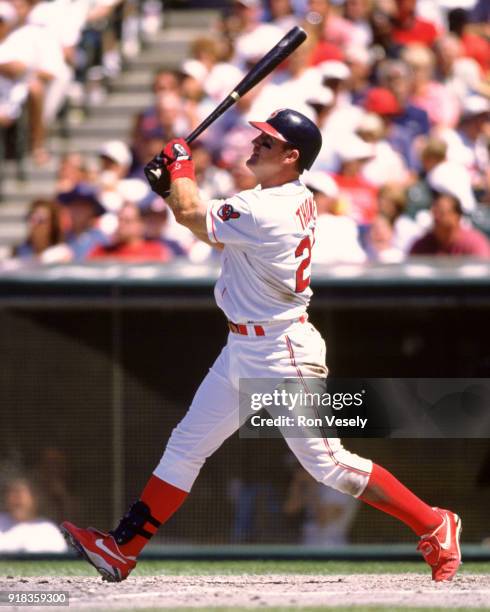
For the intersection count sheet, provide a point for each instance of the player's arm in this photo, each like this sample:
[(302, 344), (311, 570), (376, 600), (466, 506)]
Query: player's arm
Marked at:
[(187, 207), (171, 175)]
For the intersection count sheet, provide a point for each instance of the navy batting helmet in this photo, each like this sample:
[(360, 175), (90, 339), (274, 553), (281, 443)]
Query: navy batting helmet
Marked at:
[(297, 130)]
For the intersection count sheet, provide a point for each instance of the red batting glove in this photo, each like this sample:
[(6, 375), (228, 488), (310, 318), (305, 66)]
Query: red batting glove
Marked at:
[(178, 159)]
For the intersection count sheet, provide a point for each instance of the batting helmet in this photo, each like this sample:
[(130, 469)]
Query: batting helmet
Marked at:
[(297, 130)]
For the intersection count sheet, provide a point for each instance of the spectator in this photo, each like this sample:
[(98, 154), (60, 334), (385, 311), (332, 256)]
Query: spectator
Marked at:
[(321, 99), (392, 200), (327, 513), (436, 99), (468, 144), (252, 38), (453, 178), (409, 28), (461, 75), (165, 81), (396, 76), (322, 49), (84, 208), (115, 160), (13, 91), (32, 60), (384, 104), (336, 235), (357, 12), (474, 45), (293, 84), (129, 243), (380, 242), (419, 194), (44, 232), (21, 529), (343, 116), (449, 236), (52, 477), (72, 170), (281, 14), (168, 114), (197, 105), (145, 145), (480, 18), (382, 25), (156, 216), (336, 29), (358, 60), (358, 196), (210, 55), (98, 56), (386, 164), (477, 25), (213, 182), (58, 24)]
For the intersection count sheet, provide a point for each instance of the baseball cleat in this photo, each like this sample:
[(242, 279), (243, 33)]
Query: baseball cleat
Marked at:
[(100, 550), (440, 548)]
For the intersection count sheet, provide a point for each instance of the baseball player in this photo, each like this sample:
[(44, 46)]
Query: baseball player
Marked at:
[(266, 235)]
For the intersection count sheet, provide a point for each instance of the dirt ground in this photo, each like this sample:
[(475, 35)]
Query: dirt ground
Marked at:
[(173, 592)]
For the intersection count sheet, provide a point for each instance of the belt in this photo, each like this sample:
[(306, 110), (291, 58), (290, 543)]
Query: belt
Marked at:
[(256, 330)]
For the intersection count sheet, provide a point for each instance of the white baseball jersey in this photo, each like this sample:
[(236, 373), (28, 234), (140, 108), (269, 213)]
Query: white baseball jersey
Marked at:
[(266, 261), (268, 237)]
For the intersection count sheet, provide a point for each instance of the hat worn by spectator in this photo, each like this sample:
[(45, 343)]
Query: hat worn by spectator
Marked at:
[(248, 3), (253, 46), (322, 182), (195, 69), (320, 96), (152, 204), (335, 70), (354, 148), (453, 179), (381, 101), (474, 106), (358, 54), (7, 13), (117, 151), (371, 123), (83, 192)]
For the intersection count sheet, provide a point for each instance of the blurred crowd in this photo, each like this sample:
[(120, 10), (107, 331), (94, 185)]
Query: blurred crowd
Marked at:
[(60, 53), (399, 88), (33, 500)]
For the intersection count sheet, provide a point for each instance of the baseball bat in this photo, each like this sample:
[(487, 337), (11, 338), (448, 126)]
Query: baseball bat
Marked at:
[(289, 43)]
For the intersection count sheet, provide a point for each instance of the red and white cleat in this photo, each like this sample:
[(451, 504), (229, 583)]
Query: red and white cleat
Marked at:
[(440, 548), (100, 550)]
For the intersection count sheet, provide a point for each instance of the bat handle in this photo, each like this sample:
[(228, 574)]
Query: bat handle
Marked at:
[(218, 111)]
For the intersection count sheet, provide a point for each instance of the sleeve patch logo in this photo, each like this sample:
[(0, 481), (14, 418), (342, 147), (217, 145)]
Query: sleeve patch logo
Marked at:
[(227, 212)]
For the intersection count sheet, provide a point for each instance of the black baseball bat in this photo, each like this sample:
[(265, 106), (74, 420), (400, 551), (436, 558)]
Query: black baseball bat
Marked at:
[(262, 68)]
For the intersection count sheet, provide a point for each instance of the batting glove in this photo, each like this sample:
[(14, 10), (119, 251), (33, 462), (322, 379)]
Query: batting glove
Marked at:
[(158, 176), (178, 159)]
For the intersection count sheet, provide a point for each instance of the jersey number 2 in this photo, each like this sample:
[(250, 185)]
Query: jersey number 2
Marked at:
[(303, 250)]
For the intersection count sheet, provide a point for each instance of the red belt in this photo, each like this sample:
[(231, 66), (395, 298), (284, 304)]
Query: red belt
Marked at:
[(243, 330)]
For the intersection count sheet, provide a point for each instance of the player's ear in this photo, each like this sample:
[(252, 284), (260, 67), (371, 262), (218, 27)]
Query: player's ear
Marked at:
[(292, 156)]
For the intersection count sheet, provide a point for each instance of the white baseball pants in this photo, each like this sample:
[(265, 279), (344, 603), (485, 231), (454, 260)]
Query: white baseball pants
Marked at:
[(287, 350)]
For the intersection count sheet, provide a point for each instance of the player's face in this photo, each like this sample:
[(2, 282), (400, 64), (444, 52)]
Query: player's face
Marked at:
[(267, 157)]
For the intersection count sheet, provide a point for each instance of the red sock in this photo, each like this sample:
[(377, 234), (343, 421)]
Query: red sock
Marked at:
[(388, 494), (163, 500)]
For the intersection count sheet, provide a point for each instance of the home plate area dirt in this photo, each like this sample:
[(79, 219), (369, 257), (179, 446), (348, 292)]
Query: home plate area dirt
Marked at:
[(253, 591)]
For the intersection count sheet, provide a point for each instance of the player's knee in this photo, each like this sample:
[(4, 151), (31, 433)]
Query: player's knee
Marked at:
[(351, 483), (349, 473)]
